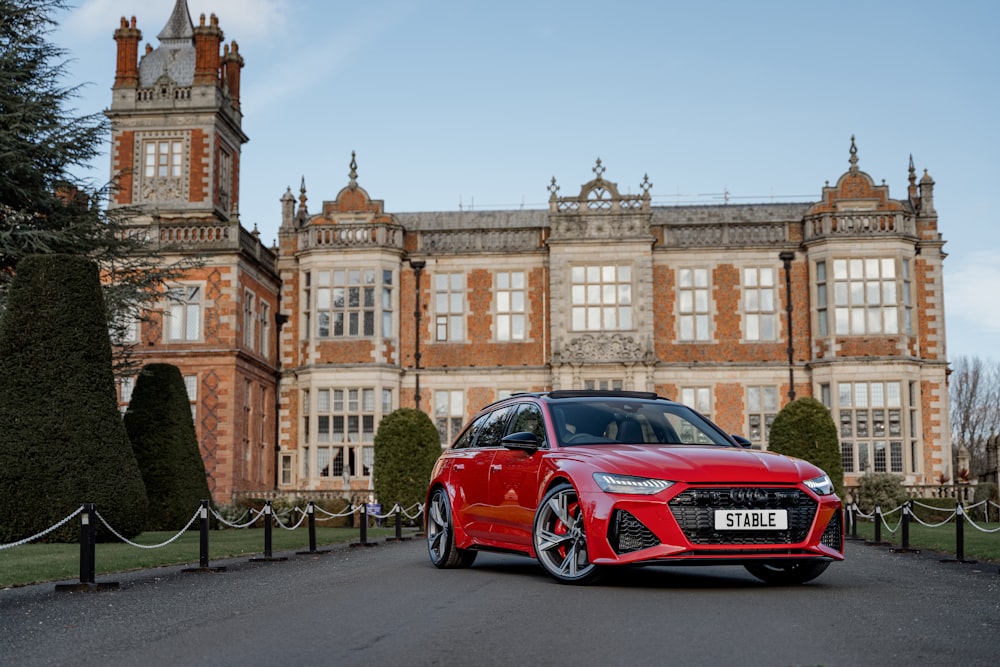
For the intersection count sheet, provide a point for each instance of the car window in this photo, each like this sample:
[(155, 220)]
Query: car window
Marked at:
[(493, 428), (528, 418), (468, 437), (630, 421)]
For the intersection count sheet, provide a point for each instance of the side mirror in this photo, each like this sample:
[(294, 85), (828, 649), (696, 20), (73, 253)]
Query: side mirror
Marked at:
[(741, 441), (523, 440)]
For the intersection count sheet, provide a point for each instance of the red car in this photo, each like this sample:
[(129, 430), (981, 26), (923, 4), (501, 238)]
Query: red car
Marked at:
[(582, 480)]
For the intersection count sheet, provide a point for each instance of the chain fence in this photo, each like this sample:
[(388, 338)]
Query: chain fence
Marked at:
[(285, 520)]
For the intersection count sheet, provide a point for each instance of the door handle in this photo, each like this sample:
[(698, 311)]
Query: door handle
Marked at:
[(496, 466), (459, 466)]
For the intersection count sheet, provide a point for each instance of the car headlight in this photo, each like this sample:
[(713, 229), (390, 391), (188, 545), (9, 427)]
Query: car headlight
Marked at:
[(627, 484), (821, 485)]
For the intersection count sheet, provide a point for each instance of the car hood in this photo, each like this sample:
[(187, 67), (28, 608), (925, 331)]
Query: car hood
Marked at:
[(692, 463)]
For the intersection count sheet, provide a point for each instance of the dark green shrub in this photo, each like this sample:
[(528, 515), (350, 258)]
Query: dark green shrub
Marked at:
[(406, 446), (804, 429), (883, 489), (161, 429), (62, 440)]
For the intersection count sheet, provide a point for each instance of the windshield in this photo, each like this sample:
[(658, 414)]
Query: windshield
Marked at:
[(595, 421)]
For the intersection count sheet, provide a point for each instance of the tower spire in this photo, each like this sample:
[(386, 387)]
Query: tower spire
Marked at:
[(179, 26)]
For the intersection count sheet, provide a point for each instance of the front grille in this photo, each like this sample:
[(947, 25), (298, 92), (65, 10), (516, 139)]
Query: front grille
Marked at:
[(694, 511), (627, 534), (833, 536)]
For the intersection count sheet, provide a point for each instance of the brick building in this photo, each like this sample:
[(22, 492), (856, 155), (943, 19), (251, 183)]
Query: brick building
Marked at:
[(295, 353)]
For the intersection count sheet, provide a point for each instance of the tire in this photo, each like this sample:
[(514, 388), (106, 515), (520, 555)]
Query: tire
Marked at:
[(560, 537), (441, 535), (787, 574)]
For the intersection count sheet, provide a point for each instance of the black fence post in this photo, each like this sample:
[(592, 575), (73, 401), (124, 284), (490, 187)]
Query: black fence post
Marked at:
[(399, 526), (960, 532), (907, 514), (203, 527), (268, 521), (364, 528), (959, 537), (88, 545), (877, 542), (311, 517), (88, 555)]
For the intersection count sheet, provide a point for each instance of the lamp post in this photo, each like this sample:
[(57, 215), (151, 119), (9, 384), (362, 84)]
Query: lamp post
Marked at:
[(786, 257), (418, 266)]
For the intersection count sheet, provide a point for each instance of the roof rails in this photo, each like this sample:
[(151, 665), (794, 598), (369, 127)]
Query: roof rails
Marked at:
[(597, 393)]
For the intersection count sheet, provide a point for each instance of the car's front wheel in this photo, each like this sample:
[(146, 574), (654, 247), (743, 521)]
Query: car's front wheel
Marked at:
[(787, 574), (560, 537), (441, 534)]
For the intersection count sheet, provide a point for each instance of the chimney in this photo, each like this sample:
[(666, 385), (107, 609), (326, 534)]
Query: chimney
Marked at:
[(232, 63), (127, 70), (207, 39)]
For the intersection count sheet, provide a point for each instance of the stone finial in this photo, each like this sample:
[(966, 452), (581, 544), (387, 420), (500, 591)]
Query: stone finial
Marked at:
[(913, 172), (353, 174), (553, 189), (854, 156), (599, 169)]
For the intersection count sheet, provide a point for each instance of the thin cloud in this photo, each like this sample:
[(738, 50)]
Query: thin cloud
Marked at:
[(968, 290), (245, 19)]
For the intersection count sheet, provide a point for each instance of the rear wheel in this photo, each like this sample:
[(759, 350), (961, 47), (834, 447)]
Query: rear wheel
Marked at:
[(441, 535), (787, 574), (560, 537)]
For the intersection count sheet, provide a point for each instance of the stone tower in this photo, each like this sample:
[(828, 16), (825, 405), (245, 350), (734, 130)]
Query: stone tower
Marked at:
[(176, 139)]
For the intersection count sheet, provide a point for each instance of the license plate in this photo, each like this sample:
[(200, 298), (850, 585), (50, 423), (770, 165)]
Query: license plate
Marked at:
[(751, 519)]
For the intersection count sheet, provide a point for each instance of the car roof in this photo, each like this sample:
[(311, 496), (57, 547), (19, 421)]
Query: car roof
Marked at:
[(564, 394)]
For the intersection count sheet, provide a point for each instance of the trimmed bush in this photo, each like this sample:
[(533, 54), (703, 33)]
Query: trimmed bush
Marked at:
[(163, 438), (883, 489), (406, 446), (62, 440), (804, 429)]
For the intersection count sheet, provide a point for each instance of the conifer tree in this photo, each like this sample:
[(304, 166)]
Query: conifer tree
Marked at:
[(62, 439), (44, 206), (804, 429), (163, 437), (406, 446)]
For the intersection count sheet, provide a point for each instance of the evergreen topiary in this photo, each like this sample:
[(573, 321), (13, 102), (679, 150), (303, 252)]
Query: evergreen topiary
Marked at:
[(161, 429), (406, 446), (805, 430), (62, 440)]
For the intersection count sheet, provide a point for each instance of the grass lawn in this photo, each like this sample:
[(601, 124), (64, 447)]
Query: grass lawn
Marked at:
[(34, 563), (978, 545)]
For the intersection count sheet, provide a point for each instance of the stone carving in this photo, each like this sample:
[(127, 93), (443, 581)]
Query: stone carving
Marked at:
[(600, 347)]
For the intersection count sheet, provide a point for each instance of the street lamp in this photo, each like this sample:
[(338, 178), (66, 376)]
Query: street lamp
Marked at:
[(418, 266), (786, 257)]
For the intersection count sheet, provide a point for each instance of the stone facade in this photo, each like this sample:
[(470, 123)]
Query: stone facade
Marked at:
[(734, 309)]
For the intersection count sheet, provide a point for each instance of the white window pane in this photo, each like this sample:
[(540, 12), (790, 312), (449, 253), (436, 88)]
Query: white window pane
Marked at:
[(874, 320), (517, 327), (843, 320), (767, 300), (579, 319), (857, 320), (767, 327), (702, 327), (890, 320), (687, 328), (609, 294), (193, 322), (593, 274), (871, 268), (457, 280), (517, 302), (457, 326), (751, 301), (685, 278), (593, 294), (610, 321), (767, 277), (840, 269), (686, 302), (625, 295), (701, 278), (701, 300), (889, 293), (503, 327), (517, 280), (753, 399), (753, 328), (750, 277), (607, 274), (888, 269), (503, 301), (455, 303), (579, 295), (578, 274), (625, 274), (594, 319), (625, 318)]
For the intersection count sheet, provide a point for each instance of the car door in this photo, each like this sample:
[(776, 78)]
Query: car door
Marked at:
[(513, 492), (468, 475)]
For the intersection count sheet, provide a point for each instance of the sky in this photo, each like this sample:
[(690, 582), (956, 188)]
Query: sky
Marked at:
[(453, 104)]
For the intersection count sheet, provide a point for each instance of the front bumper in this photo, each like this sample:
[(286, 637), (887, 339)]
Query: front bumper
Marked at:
[(677, 525)]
